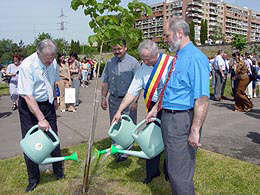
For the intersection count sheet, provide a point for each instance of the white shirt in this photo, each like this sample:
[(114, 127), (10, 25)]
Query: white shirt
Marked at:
[(141, 78), (31, 81), (219, 61)]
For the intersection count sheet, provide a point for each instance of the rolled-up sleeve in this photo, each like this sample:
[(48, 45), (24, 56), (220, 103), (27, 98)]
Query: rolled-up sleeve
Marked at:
[(136, 84), (25, 81)]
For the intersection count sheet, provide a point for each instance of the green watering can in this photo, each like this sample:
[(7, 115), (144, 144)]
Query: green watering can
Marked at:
[(121, 132), (38, 147), (149, 139)]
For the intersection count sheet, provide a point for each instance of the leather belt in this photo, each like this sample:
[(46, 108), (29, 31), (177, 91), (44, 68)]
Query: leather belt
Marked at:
[(117, 96), (176, 111)]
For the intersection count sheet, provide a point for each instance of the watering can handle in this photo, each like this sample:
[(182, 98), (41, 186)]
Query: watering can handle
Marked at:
[(144, 121), (30, 131), (127, 117), (50, 130), (55, 136)]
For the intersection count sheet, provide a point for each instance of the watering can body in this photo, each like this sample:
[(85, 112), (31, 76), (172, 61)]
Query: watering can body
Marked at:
[(149, 138), (121, 132), (37, 145)]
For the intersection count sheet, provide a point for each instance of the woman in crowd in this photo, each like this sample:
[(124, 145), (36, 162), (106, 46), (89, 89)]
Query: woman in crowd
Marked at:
[(75, 75), (242, 102), (84, 71), (65, 80), (12, 72)]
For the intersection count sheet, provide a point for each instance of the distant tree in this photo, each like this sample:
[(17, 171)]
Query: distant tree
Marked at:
[(62, 45), (203, 31), (41, 37), (239, 41), (216, 34), (192, 32)]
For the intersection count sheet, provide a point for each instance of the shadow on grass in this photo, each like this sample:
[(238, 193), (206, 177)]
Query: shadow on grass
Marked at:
[(254, 136), (5, 114)]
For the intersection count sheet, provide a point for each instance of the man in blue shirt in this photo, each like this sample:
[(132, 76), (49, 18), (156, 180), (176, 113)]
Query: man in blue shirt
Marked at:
[(184, 107), (38, 103)]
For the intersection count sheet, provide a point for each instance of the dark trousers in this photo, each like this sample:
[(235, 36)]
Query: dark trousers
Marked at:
[(28, 120), (153, 165), (180, 156)]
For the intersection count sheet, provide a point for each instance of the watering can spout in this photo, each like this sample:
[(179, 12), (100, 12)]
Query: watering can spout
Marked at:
[(139, 154), (48, 160)]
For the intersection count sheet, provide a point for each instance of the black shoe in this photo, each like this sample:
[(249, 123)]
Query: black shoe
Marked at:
[(120, 159), (149, 179), (31, 187)]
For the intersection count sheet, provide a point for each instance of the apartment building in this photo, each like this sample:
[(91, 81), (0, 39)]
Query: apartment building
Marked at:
[(230, 19)]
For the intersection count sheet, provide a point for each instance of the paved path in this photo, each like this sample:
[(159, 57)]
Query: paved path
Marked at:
[(231, 133)]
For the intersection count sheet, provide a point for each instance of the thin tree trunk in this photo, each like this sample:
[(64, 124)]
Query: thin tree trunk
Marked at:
[(92, 132)]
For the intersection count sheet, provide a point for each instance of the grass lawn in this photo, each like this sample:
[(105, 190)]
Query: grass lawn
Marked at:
[(215, 174), (4, 89)]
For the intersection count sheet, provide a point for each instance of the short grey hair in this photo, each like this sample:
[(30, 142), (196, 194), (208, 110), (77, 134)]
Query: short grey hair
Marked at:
[(47, 44), (148, 45), (178, 23)]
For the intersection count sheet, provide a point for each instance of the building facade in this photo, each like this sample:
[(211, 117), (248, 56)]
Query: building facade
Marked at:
[(221, 17)]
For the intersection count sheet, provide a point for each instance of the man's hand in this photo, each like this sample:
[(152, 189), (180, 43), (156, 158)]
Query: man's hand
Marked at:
[(151, 114), (56, 105), (133, 106), (104, 103), (44, 125), (194, 138), (116, 118)]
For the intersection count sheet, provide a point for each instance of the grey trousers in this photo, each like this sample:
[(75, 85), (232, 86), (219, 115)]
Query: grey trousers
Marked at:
[(224, 80), (76, 84), (218, 84), (179, 155), (114, 103)]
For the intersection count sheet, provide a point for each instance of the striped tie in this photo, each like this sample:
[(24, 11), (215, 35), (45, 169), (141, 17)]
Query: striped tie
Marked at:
[(48, 85)]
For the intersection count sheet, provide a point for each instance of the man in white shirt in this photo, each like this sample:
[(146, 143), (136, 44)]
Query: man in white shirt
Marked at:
[(219, 66), (38, 103)]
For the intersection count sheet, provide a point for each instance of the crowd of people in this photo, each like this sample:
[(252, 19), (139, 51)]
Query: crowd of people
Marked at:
[(244, 73), (176, 91)]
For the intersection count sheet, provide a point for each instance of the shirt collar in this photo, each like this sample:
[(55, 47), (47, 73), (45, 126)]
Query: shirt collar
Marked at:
[(185, 48), (122, 58)]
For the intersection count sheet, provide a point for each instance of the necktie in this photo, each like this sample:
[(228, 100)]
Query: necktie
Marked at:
[(48, 85), (166, 83)]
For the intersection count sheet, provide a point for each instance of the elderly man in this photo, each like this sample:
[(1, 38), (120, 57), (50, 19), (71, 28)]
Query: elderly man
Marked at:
[(184, 103), (116, 79), (219, 67), (147, 77), (38, 103)]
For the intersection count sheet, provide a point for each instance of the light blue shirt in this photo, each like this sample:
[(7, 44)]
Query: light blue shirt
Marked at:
[(189, 81), (119, 73), (31, 81)]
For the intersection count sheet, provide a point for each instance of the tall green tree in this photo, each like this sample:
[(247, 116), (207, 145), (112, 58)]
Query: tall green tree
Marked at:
[(192, 32), (41, 37), (239, 41), (206, 30), (202, 32)]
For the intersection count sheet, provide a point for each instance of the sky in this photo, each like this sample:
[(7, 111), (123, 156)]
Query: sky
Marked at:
[(26, 19)]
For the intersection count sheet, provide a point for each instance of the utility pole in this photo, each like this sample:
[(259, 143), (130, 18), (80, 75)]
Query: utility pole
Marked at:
[(62, 25)]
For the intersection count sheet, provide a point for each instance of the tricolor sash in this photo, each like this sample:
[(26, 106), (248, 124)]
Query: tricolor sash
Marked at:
[(155, 77)]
